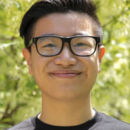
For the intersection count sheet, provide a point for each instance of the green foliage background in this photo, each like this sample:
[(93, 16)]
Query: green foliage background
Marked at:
[(19, 94)]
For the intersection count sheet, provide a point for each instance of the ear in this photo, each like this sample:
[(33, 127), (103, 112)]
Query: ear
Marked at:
[(100, 56), (27, 56)]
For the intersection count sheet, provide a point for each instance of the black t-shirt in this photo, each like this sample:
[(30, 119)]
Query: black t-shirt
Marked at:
[(100, 121)]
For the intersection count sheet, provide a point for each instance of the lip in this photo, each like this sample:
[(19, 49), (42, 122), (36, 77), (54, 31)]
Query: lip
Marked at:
[(65, 73)]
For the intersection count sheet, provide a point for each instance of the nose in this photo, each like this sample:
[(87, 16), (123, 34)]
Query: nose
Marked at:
[(66, 57)]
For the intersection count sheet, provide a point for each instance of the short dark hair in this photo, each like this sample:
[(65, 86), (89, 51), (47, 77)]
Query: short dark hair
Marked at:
[(46, 7)]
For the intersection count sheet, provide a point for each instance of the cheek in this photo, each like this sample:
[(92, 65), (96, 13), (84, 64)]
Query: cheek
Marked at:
[(39, 71), (95, 63), (91, 66), (39, 64)]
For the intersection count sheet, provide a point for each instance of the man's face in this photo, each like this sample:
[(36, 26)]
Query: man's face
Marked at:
[(65, 76)]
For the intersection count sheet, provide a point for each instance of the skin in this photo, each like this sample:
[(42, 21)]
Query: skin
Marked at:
[(66, 99)]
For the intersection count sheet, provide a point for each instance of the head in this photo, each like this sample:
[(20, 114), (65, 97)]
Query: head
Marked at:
[(45, 7), (66, 75)]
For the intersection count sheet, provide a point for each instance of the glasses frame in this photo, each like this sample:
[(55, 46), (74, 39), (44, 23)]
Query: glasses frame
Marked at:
[(64, 39)]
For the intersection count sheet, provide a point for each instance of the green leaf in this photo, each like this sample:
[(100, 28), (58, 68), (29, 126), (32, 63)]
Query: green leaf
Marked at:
[(18, 5)]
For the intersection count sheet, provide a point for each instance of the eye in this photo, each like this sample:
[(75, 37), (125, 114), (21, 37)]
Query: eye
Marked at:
[(50, 45), (81, 44)]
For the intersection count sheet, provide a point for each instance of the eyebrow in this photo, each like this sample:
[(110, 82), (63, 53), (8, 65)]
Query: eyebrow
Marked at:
[(80, 33)]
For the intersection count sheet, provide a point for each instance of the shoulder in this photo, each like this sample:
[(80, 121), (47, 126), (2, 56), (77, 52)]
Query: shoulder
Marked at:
[(28, 124), (111, 123)]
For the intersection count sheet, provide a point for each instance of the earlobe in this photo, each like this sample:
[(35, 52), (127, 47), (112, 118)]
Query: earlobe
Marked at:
[(27, 57)]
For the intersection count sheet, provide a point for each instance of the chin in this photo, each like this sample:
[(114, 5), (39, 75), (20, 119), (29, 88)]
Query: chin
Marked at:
[(66, 93)]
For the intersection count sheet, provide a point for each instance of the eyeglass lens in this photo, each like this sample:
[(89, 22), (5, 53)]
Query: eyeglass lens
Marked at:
[(79, 45)]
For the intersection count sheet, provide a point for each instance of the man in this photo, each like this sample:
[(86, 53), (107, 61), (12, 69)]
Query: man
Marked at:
[(63, 40)]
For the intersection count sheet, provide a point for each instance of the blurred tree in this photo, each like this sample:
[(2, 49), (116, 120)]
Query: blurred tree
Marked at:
[(111, 91), (19, 93)]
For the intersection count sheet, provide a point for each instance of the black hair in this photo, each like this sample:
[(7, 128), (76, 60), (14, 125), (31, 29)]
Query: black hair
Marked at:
[(45, 7)]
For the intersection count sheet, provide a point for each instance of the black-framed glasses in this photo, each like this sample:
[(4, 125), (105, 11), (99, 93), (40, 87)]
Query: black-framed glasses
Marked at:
[(51, 45)]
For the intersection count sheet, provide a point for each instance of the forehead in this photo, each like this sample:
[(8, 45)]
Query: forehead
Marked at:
[(64, 24)]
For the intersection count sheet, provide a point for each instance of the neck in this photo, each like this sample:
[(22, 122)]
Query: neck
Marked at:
[(65, 113)]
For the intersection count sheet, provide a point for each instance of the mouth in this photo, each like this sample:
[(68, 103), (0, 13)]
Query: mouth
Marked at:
[(65, 74)]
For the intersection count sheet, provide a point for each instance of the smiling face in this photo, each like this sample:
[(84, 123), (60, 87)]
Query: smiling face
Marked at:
[(65, 76)]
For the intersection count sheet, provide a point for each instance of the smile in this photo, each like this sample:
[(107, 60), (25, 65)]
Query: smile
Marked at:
[(65, 74)]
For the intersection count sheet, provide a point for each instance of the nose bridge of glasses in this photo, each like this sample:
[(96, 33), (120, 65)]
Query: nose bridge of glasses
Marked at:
[(66, 40)]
